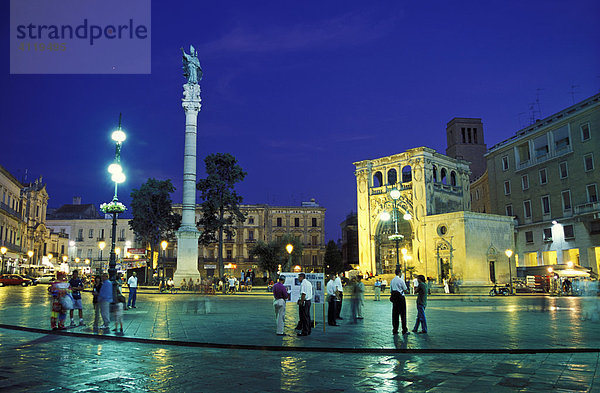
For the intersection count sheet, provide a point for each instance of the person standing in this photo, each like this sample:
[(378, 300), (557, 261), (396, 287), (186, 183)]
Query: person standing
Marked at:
[(415, 284), (306, 295), (446, 287), (280, 294), (398, 288), (76, 286), (59, 289), (384, 284), (119, 302), (105, 298), (360, 297), (377, 290), (132, 283), (332, 295), (421, 292), (340, 290), (95, 291)]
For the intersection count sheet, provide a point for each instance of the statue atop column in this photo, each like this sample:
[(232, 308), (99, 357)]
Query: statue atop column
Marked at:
[(191, 66)]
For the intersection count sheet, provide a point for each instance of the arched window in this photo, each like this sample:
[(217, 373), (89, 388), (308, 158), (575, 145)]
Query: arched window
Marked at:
[(453, 178), (443, 176), (392, 177), (406, 174), (435, 174), (377, 179)]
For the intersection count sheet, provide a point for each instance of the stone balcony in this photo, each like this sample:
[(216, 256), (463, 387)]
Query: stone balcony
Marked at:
[(546, 157), (586, 208)]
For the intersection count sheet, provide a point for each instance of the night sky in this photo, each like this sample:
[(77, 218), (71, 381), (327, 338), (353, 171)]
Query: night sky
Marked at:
[(297, 91)]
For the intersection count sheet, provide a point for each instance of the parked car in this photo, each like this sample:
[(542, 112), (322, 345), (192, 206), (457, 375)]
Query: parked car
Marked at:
[(47, 279), (34, 280), (14, 279)]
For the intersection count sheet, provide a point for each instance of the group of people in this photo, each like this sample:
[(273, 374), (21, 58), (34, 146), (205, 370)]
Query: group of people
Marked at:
[(108, 300), (335, 290)]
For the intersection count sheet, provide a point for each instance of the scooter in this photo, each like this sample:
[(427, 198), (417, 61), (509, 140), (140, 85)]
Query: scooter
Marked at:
[(500, 291)]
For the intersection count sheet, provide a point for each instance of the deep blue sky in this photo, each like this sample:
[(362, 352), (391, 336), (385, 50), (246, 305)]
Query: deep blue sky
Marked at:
[(297, 91)]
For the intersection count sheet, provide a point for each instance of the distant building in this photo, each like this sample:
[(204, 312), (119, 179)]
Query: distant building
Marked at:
[(22, 226), (350, 241), (547, 177), (267, 223), (74, 211)]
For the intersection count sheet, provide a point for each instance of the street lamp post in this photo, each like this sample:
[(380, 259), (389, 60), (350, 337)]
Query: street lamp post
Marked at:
[(3, 250), (289, 248), (101, 246), (30, 255), (509, 254), (385, 216), (164, 244), (115, 207)]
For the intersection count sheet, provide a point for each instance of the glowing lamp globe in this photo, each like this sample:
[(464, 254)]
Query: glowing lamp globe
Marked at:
[(119, 136)]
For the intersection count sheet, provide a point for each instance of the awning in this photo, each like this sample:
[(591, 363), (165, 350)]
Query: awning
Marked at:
[(572, 273)]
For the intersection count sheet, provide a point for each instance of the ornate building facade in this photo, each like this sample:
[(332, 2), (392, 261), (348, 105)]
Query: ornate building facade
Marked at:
[(439, 236)]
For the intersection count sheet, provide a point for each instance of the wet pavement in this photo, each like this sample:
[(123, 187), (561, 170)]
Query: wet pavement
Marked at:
[(552, 329)]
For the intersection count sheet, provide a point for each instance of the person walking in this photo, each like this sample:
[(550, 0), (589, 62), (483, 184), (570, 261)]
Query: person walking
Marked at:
[(280, 295), (95, 291), (377, 290), (421, 292), (360, 297), (398, 288), (340, 290), (105, 298), (332, 295), (384, 284), (306, 295), (132, 283), (76, 286)]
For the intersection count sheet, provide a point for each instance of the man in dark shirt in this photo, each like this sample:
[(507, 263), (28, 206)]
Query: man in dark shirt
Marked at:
[(76, 286), (421, 292), (280, 294)]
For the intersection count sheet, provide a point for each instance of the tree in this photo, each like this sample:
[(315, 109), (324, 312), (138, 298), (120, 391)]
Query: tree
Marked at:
[(272, 254), (153, 216), (220, 208), (333, 259)]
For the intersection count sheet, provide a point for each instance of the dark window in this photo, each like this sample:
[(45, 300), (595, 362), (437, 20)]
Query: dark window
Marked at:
[(377, 179), (547, 234), (453, 178), (315, 261), (469, 134), (406, 174), (563, 170), (569, 233), (509, 210), (525, 182), (435, 174), (588, 161), (507, 187), (585, 132), (493, 271), (279, 221), (250, 235), (475, 135), (543, 177), (463, 135), (592, 193), (314, 222), (392, 177), (250, 220), (296, 222), (545, 205), (529, 237), (566, 199), (595, 227), (229, 254), (443, 176)]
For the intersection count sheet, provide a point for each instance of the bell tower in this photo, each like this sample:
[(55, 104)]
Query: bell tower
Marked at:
[(465, 141)]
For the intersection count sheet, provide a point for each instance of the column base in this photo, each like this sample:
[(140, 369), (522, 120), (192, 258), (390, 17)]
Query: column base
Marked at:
[(187, 256)]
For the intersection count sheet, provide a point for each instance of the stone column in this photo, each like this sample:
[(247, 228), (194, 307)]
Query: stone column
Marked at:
[(187, 236)]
